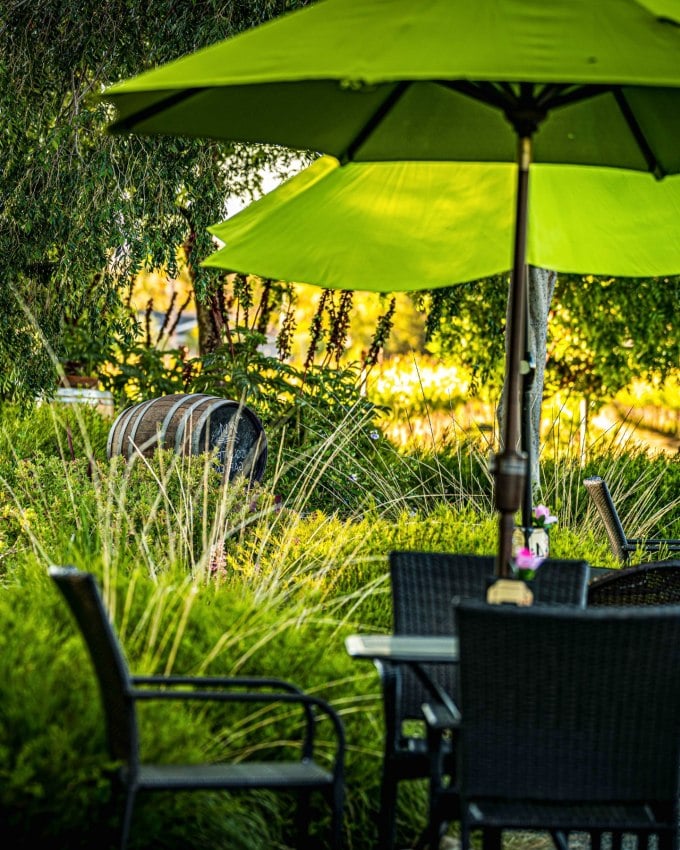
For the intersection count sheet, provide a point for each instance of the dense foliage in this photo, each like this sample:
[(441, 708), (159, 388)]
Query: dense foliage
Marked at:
[(81, 211), (206, 577), (603, 333)]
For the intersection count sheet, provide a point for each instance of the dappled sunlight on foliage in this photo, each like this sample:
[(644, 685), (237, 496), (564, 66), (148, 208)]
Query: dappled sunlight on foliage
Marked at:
[(414, 383)]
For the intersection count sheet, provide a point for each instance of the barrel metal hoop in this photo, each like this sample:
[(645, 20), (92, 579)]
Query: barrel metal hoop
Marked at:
[(179, 403), (112, 431), (131, 438), (179, 436), (124, 418), (203, 418)]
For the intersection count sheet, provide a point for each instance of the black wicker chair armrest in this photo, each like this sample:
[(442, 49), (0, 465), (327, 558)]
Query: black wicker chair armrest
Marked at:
[(218, 682), (307, 702), (439, 717), (212, 682), (243, 696), (293, 696), (653, 543)]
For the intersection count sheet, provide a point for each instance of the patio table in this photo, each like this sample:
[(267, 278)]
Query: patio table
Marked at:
[(409, 649), (413, 650)]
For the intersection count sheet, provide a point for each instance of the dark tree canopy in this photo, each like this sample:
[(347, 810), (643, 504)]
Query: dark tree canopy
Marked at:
[(81, 211)]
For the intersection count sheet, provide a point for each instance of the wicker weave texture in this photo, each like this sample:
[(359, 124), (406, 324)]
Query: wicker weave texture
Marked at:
[(650, 584), (565, 705), (425, 586), (601, 497)]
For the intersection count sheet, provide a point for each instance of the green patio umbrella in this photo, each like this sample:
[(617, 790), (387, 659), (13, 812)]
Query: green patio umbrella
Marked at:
[(389, 227), (408, 226), (668, 10), (570, 81)]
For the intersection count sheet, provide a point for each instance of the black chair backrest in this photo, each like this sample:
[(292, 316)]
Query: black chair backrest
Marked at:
[(599, 492), (561, 581), (657, 583), (425, 585), (570, 705), (82, 595)]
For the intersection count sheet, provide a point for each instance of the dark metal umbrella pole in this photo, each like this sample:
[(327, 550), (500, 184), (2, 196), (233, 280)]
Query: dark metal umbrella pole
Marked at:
[(527, 448), (509, 467)]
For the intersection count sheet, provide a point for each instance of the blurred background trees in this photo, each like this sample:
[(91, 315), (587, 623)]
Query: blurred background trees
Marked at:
[(81, 211)]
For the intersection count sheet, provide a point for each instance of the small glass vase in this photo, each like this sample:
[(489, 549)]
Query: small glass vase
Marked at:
[(538, 541)]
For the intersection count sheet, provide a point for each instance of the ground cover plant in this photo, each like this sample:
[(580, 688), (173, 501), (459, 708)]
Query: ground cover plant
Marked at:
[(206, 577)]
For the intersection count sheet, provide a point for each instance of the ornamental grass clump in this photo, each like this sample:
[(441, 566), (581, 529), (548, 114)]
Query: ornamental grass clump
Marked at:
[(202, 576)]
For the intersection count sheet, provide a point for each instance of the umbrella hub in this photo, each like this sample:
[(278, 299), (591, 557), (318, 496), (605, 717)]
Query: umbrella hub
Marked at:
[(525, 105), (525, 118), (526, 109)]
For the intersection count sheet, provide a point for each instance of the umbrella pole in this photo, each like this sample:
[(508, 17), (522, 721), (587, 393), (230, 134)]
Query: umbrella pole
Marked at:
[(528, 372), (509, 467), (527, 448)]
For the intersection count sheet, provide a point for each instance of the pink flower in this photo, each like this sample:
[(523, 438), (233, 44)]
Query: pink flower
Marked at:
[(542, 516), (526, 564), (526, 560)]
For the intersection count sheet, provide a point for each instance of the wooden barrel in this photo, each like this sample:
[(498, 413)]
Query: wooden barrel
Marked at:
[(193, 424)]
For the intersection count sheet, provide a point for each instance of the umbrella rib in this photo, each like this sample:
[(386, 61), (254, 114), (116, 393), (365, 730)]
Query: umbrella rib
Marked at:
[(129, 123), (505, 86), (552, 93), (487, 93), (562, 98), (564, 95), (645, 148), (369, 126), (502, 95)]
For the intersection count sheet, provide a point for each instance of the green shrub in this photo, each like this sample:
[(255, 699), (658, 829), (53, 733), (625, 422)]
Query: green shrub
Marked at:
[(52, 758), (203, 577), (67, 431)]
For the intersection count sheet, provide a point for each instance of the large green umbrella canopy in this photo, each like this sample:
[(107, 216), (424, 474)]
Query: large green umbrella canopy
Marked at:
[(406, 226), (387, 227), (396, 80), (569, 81)]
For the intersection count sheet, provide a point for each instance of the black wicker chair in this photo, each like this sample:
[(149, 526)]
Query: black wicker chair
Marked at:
[(570, 723), (423, 587), (621, 545), (121, 692), (656, 583)]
